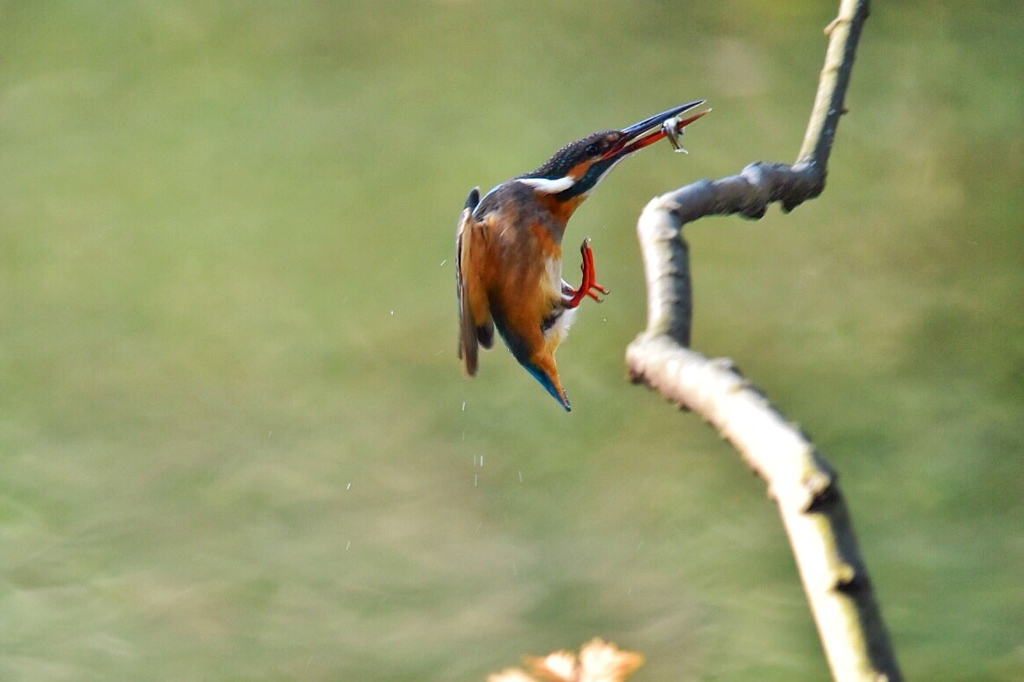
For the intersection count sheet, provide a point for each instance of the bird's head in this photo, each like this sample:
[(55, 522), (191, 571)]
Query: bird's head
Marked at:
[(576, 168)]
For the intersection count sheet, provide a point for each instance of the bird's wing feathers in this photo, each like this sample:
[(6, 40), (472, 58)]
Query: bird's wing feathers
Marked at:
[(476, 327)]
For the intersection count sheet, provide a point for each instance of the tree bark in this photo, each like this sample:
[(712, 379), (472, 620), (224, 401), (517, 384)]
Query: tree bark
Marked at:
[(799, 480)]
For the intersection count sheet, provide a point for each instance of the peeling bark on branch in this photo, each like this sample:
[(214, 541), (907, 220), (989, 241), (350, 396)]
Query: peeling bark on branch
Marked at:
[(799, 480)]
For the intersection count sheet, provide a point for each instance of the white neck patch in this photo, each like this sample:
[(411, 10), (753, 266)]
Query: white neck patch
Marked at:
[(546, 186)]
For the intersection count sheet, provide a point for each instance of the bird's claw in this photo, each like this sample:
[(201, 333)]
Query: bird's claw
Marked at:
[(589, 286)]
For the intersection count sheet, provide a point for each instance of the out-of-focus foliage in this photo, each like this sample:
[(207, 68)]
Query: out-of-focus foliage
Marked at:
[(598, 661)]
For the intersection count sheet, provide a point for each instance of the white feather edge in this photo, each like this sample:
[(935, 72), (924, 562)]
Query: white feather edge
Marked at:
[(560, 329)]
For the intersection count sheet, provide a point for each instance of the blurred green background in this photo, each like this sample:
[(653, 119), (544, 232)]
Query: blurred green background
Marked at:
[(235, 442)]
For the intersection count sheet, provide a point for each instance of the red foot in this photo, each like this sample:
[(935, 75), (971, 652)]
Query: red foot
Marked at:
[(589, 283)]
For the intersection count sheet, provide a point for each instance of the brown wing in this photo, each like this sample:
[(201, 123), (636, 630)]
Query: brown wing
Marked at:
[(476, 328)]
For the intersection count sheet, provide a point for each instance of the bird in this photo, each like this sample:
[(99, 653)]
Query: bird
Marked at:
[(508, 248)]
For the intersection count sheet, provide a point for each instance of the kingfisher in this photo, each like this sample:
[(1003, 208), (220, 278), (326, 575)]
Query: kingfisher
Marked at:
[(508, 248)]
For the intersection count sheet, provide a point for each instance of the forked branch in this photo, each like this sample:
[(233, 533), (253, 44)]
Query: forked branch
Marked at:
[(802, 484)]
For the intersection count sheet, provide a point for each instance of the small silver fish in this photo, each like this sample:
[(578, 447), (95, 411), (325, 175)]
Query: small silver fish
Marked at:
[(673, 132)]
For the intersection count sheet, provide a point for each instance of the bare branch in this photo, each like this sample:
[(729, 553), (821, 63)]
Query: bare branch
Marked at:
[(802, 484)]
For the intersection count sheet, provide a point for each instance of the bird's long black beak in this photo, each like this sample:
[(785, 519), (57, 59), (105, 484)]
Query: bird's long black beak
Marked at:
[(650, 130)]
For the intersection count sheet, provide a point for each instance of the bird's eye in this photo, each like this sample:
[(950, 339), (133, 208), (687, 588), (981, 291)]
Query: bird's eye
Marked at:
[(591, 150)]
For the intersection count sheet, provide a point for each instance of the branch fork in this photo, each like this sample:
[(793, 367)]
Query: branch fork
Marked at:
[(799, 480)]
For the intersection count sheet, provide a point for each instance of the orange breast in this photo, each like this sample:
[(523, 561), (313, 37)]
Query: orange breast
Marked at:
[(517, 272), (561, 210)]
